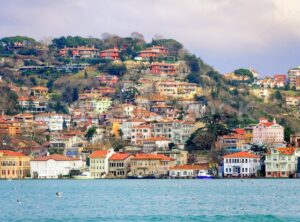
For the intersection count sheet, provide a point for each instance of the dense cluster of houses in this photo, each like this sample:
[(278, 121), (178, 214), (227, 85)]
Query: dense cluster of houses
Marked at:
[(148, 129), (150, 154)]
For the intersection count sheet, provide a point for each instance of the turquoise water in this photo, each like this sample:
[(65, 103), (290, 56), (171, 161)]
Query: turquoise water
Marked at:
[(150, 200)]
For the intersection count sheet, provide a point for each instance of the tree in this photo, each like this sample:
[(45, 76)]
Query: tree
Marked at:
[(192, 62), (75, 95), (113, 69), (85, 74), (245, 73), (121, 134), (91, 132), (278, 96), (214, 126)]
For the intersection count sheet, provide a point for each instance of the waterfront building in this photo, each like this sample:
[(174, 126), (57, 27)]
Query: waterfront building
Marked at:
[(151, 164), (241, 164), (119, 165), (99, 165), (185, 171), (14, 165), (180, 156), (282, 162), (54, 166)]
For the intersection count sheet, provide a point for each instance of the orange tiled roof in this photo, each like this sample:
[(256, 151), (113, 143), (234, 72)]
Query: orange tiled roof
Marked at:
[(99, 154), (11, 153), (241, 155), (287, 150), (120, 156), (146, 156), (157, 139), (55, 157), (42, 88)]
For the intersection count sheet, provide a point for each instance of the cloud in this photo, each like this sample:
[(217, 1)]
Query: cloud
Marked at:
[(229, 33)]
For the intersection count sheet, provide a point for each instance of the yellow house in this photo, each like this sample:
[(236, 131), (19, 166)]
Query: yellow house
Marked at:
[(14, 165), (151, 164), (177, 89)]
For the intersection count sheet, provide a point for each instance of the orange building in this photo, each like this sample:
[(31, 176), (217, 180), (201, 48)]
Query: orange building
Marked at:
[(14, 165), (163, 68), (111, 54), (153, 52), (9, 127)]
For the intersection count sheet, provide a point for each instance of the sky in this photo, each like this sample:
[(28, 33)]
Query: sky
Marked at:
[(227, 34)]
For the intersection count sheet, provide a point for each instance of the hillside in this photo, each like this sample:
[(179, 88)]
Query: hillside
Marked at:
[(65, 84)]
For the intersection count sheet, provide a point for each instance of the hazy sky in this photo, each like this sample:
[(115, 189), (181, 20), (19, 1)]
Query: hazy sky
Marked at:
[(228, 34)]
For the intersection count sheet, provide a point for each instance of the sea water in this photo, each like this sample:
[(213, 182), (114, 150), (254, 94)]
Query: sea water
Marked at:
[(150, 200)]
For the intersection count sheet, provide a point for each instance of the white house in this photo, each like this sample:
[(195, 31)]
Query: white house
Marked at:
[(54, 166), (241, 164), (54, 121), (156, 143), (99, 162), (183, 171)]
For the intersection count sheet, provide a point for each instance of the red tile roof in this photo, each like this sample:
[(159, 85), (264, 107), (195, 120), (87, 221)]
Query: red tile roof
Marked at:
[(157, 139), (144, 156), (287, 150), (99, 154), (55, 157), (241, 155), (11, 153), (120, 156)]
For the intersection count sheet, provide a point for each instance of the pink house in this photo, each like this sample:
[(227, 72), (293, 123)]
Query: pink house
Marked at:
[(266, 132)]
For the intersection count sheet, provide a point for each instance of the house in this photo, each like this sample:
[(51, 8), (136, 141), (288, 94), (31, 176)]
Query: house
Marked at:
[(109, 80), (9, 127), (280, 78), (54, 121), (241, 164), (140, 133), (155, 143), (185, 171), (14, 165), (177, 89), (293, 75), (180, 156), (160, 68), (98, 104), (234, 142), (292, 101), (69, 145), (111, 54), (99, 162), (54, 166), (282, 162), (268, 133), (126, 127), (39, 91), (119, 165), (153, 52), (79, 52), (295, 139), (32, 104), (151, 164)]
